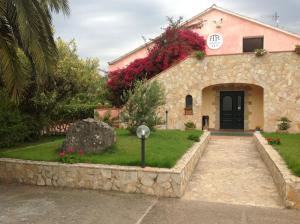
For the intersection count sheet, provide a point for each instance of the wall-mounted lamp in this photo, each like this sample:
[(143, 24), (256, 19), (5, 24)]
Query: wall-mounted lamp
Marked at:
[(218, 23)]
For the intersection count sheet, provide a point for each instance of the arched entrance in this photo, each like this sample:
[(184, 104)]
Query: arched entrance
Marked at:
[(233, 106)]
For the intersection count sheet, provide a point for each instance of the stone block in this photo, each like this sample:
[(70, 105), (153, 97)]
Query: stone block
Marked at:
[(147, 181), (106, 173), (89, 135), (40, 181), (163, 177), (147, 190), (107, 185), (128, 177)]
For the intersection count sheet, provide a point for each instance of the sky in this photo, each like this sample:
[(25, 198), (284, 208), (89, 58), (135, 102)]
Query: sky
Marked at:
[(107, 29)]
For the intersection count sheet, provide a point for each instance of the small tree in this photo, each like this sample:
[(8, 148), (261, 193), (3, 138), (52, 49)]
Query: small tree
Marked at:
[(142, 104)]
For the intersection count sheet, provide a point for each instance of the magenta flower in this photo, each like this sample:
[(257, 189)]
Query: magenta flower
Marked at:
[(71, 150), (80, 152), (62, 154)]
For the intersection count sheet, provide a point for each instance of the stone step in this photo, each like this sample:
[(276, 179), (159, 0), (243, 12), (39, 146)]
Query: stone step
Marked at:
[(231, 133)]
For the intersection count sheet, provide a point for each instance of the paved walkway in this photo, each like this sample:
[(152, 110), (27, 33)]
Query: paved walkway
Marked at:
[(231, 171), (46, 205)]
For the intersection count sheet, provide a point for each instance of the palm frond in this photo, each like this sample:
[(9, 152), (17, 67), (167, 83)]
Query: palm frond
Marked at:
[(57, 6), (28, 25), (11, 68)]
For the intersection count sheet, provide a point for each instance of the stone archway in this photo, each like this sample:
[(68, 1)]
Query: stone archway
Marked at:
[(253, 107)]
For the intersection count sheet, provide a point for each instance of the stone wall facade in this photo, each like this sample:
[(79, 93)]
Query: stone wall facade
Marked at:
[(277, 74), (153, 181), (287, 184)]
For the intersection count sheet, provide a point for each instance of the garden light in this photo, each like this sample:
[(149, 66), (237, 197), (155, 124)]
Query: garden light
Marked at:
[(143, 132), (167, 119)]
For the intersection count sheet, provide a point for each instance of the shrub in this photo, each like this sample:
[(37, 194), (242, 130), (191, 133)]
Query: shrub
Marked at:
[(284, 124), (71, 113), (175, 44), (260, 52), (34, 127), (141, 107), (13, 128), (274, 141), (190, 125), (194, 137), (200, 54)]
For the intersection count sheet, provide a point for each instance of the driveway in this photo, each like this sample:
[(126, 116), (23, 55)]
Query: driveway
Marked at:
[(45, 205)]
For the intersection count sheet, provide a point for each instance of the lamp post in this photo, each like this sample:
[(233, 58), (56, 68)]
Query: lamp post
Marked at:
[(143, 150), (142, 133), (167, 119)]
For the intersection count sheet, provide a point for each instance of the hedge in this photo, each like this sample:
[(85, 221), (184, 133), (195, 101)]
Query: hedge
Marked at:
[(17, 127), (71, 113)]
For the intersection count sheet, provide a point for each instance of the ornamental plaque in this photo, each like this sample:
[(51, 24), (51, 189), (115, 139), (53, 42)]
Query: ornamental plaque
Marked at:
[(214, 41)]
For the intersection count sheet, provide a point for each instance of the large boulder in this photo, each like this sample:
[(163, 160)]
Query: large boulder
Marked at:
[(89, 135)]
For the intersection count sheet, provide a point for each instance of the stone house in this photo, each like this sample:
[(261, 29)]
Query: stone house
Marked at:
[(232, 88)]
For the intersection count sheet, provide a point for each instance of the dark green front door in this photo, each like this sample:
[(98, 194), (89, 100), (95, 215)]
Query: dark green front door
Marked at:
[(232, 110)]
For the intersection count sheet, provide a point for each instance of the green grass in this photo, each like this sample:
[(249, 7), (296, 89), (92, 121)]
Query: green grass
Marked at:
[(43, 139), (289, 149), (163, 149)]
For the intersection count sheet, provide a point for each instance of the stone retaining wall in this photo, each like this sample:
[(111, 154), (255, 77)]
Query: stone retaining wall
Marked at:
[(288, 184), (153, 181)]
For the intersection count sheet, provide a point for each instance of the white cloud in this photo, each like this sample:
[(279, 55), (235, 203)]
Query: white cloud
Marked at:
[(100, 20)]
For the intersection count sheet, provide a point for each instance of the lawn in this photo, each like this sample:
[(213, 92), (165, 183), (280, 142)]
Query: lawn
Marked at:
[(163, 149), (289, 149)]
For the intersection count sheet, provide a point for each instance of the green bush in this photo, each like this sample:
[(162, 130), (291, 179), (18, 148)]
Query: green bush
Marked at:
[(200, 54), (284, 124), (190, 125), (13, 125), (142, 104), (34, 126), (260, 52), (70, 113), (194, 137)]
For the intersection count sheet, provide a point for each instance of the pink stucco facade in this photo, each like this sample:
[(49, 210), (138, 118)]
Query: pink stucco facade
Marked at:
[(233, 29)]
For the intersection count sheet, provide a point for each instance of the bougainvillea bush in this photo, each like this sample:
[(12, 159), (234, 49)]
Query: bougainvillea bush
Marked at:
[(175, 44)]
